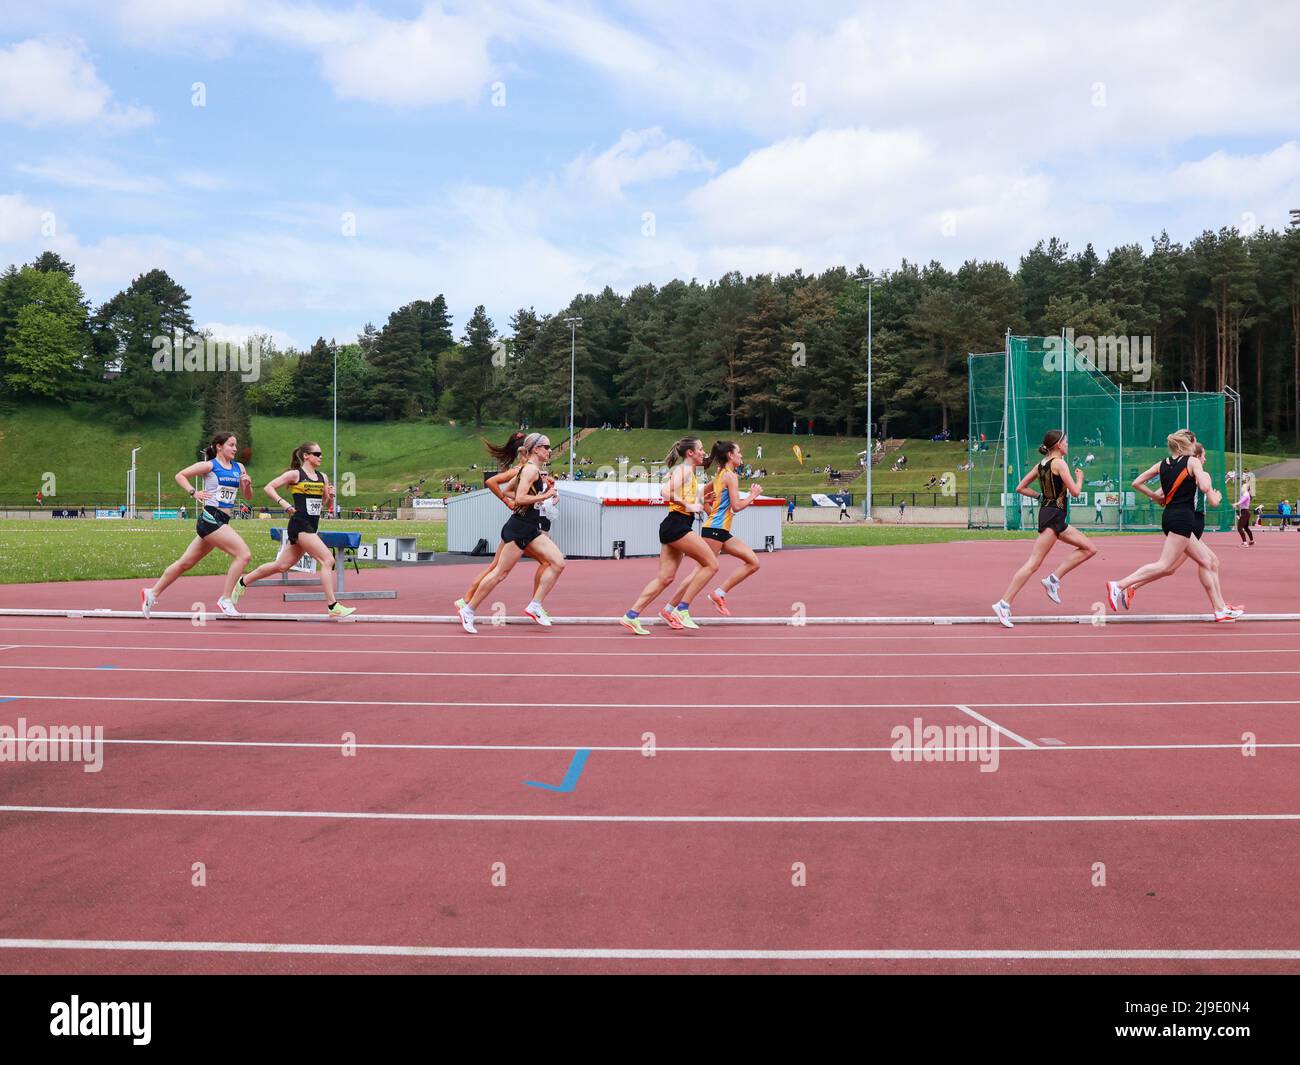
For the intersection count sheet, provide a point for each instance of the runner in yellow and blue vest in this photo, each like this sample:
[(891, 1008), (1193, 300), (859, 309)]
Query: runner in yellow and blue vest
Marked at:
[(716, 526)]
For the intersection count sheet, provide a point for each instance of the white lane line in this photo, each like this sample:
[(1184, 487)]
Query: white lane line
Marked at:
[(996, 727), (1056, 745), (534, 704), (655, 819), (641, 953), (611, 620), (295, 633), (223, 648), (532, 679)]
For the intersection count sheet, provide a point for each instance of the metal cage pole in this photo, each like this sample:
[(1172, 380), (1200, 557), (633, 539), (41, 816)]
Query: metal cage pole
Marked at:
[(1122, 493), (1006, 428)]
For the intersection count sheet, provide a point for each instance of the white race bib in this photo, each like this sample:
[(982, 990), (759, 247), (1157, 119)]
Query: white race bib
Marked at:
[(313, 507), (226, 495)]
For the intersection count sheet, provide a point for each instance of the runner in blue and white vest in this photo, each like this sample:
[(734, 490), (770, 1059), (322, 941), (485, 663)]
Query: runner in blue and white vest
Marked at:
[(223, 480)]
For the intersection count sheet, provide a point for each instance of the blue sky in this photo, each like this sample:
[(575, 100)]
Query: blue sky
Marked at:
[(518, 152)]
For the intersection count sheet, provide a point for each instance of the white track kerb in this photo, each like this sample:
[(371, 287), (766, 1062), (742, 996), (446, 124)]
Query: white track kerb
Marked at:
[(791, 622)]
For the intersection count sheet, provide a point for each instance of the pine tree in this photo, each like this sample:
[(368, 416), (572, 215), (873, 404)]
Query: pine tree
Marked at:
[(225, 410)]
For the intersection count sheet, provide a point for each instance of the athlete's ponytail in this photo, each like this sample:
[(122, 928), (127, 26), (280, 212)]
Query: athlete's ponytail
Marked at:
[(679, 449), (505, 453), (210, 452), (1050, 439), (1181, 442), (721, 452), (295, 463)]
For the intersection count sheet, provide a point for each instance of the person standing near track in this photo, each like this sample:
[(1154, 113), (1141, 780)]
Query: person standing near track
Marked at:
[(1210, 580), (1055, 486), (679, 540), (524, 529), (716, 529), (1182, 480), (312, 493), (223, 479), (506, 456), (1242, 507)]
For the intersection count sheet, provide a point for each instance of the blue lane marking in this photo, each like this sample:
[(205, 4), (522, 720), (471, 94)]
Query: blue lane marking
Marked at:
[(9, 699), (106, 667), (570, 778)]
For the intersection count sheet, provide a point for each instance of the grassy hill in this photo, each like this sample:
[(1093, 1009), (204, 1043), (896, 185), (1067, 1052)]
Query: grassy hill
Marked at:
[(89, 458)]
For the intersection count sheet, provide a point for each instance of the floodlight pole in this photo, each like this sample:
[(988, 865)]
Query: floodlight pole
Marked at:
[(573, 324), (871, 443), (130, 484), (1187, 406), (334, 462)]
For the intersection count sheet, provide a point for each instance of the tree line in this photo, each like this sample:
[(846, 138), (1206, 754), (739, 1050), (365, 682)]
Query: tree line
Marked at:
[(760, 351)]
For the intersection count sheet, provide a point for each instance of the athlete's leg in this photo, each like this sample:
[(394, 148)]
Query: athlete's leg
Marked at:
[(693, 545), (552, 565), (1083, 550), (669, 559), (1174, 546), (282, 563), (315, 546), (232, 544), (741, 550), (1044, 543), (198, 549)]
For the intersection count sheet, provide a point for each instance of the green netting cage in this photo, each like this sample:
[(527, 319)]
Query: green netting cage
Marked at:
[(1114, 433)]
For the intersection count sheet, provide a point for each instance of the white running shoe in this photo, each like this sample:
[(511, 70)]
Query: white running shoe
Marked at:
[(1224, 615), (1236, 611), (538, 613), (228, 608), (1053, 587), (1003, 612), (147, 600), (1114, 595), (467, 619)]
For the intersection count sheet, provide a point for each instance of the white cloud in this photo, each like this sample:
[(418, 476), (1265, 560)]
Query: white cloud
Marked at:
[(20, 221), (239, 334), (46, 82), (86, 172), (637, 156)]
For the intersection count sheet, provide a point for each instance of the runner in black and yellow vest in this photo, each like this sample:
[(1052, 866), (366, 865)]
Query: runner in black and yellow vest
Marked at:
[(312, 495), (679, 540)]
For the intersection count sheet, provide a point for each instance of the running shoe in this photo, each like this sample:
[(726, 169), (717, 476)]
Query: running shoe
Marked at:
[(1003, 612), (538, 614), (633, 625), (338, 610), (1129, 595), (459, 603), (1236, 611), (237, 591), (720, 601), (688, 622), (1114, 594), (147, 600), (228, 608), (1224, 615), (467, 619), (670, 615), (1053, 588)]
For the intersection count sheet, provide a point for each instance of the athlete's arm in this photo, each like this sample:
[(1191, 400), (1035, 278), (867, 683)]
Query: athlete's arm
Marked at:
[(1140, 483), (524, 495), (1203, 482), (199, 469), (1023, 487), (674, 489), (498, 483), (732, 484), (1073, 485), (329, 492), (273, 489), (245, 482)]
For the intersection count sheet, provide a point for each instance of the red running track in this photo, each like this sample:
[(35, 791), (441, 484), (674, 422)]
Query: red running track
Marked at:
[(1118, 745)]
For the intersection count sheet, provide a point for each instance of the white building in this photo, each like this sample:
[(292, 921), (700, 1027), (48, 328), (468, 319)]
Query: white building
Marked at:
[(595, 516)]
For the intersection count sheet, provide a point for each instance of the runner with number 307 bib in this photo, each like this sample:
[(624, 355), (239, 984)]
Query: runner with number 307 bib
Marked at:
[(223, 480)]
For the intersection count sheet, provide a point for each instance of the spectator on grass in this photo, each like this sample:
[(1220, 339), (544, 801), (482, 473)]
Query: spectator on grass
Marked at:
[(789, 509)]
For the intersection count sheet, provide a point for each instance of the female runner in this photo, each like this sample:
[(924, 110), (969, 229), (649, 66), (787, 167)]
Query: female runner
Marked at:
[(1182, 480), (312, 493), (499, 485), (223, 479), (522, 530), (679, 541), (716, 530), (1055, 486)]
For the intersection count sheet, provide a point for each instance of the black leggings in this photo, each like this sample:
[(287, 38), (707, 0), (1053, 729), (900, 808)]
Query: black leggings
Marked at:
[(1243, 526)]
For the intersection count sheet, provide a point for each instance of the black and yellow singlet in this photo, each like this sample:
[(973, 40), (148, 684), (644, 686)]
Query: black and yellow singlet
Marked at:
[(308, 499), (1051, 486)]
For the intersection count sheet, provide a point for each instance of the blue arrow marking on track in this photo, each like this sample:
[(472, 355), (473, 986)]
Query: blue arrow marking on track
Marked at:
[(570, 778)]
